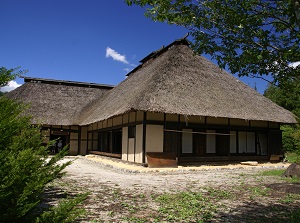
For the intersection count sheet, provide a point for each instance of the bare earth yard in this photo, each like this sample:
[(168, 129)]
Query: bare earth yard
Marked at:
[(207, 195)]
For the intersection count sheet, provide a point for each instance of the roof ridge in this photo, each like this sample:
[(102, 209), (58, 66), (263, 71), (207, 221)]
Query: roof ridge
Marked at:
[(66, 82), (156, 53)]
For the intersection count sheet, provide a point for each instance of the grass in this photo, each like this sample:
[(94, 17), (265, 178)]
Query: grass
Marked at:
[(260, 191), (279, 173), (272, 173), (186, 206), (134, 219), (291, 157), (197, 203), (220, 194), (292, 179), (290, 198), (190, 206)]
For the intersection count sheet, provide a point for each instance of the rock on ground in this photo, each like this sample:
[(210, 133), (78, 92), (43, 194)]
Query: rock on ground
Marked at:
[(292, 171)]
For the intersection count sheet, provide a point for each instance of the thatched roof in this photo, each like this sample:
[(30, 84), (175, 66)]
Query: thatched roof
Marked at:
[(171, 80), (56, 102), (174, 80)]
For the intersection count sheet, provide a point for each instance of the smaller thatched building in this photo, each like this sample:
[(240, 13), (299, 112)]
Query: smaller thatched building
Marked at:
[(174, 102), (56, 104)]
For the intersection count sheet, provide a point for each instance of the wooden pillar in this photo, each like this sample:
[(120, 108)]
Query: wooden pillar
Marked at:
[(178, 141), (144, 136), (87, 142), (228, 136), (79, 140), (165, 127)]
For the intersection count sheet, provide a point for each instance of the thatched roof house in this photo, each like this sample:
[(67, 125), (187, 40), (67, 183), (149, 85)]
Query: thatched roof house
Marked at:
[(175, 81), (56, 102), (173, 102)]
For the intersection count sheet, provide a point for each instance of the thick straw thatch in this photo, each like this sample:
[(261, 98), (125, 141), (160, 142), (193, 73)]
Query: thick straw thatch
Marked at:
[(171, 80), (55, 102), (178, 82)]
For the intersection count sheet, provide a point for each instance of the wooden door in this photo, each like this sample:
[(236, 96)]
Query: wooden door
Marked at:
[(171, 142), (222, 143), (199, 144)]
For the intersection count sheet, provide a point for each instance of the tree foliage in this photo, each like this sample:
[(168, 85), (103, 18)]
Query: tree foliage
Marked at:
[(7, 75), (249, 37), (289, 98), (25, 166)]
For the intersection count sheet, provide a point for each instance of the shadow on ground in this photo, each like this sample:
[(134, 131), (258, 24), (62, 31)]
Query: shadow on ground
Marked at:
[(284, 208), (293, 188), (257, 212), (52, 195)]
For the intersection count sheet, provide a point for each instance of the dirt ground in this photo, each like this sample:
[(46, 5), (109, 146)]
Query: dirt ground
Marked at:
[(233, 194)]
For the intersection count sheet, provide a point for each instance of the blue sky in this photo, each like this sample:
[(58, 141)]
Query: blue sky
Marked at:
[(96, 41)]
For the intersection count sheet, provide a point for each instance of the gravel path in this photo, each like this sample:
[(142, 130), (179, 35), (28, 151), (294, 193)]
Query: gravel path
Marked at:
[(93, 173), (119, 192)]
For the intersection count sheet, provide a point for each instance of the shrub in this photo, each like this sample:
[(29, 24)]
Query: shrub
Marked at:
[(25, 166)]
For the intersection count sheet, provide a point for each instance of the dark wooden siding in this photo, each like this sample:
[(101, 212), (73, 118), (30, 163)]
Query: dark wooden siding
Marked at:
[(275, 142)]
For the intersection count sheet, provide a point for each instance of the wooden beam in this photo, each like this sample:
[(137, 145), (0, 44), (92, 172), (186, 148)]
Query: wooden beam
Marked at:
[(79, 140), (144, 137), (203, 133)]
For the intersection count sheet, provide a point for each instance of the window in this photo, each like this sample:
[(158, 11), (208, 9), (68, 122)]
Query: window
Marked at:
[(246, 142), (131, 131), (110, 141), (262, 144)]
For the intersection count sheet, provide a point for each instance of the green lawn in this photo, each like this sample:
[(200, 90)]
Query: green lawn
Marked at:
[(291, 157)]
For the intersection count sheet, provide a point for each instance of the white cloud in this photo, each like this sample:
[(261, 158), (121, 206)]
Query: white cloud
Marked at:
[(295, 64), (127, 70), (10, 86), (115, 55)]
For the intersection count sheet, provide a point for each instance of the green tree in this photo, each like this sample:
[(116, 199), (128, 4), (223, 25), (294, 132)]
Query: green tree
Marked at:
[(249, 37), (26, 168), (289, 98), (7, 75)]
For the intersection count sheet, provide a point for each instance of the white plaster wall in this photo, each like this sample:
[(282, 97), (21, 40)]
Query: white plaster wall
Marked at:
[(187, 141), (131, 142), (211, 142), (232, 141), (124, 142), (154, 138), (139, 144)]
